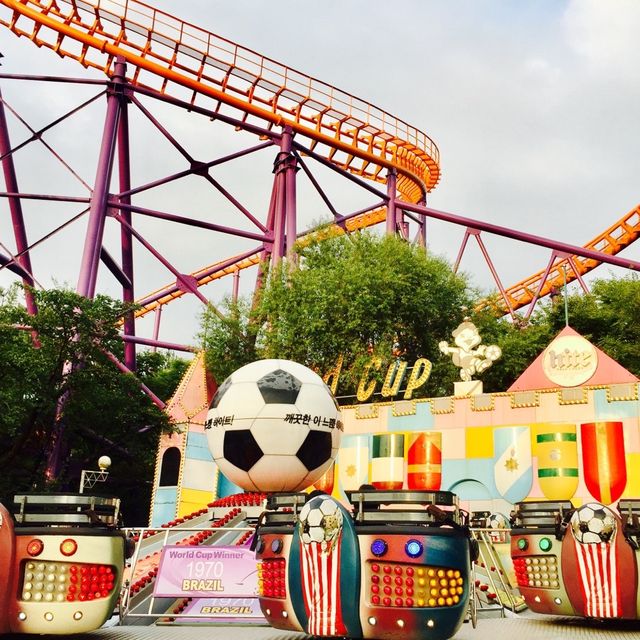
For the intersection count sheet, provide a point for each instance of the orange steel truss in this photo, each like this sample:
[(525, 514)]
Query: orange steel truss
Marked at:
[(610, 241), (178, 59), (169, 55)]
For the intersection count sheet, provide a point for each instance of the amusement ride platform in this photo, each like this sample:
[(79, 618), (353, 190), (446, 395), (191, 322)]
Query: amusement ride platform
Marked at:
[(538, 628)]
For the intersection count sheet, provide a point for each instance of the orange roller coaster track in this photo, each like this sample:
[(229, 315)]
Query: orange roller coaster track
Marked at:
[(611, 241), (542, 283), (173, 58), (165, 51), (203, 276)]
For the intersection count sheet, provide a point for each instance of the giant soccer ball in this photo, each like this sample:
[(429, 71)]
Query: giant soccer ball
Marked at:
[(593, 523), (273, 425), (320, 520)]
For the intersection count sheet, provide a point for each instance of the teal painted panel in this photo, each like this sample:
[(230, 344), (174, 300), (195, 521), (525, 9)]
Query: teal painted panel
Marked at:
[(164, 505), (226, 487), (197, 447), (478, 469), (616, 410)]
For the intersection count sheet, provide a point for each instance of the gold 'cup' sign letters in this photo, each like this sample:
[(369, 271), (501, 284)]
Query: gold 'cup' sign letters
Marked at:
[(394, 377)]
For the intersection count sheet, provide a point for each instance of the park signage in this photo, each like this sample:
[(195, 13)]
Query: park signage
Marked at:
[(394, 377), (570, 361), (192, 572)]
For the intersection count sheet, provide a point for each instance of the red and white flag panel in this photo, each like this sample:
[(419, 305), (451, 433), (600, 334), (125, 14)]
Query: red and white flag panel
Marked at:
[(599, 579), (321, 588)]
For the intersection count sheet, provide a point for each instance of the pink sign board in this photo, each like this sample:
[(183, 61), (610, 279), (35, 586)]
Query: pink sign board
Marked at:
[(228, 610), (229, 572)]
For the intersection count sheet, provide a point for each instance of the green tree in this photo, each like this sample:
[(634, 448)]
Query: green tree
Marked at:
[(520, 342), (103, 411), (357, 297), (607, 316), (229, 338), (363, 295), (161, 372)]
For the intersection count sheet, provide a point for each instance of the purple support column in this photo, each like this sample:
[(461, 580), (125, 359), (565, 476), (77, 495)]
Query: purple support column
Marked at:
[(422, 232), (268, 247), (576, 271), (156, 325), (126, 238), (277, 251), (91, 255), (290, 170), (280, 221), (236, 286), (536, 297), (154, 398), (391, 203), (98, 209), (15, 207), (463, 246)]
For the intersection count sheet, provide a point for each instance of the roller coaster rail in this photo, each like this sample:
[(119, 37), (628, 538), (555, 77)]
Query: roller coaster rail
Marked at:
[(147, 53)]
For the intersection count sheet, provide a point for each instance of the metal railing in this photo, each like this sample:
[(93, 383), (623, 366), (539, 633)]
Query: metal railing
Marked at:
[(137, 601), (495, 571)]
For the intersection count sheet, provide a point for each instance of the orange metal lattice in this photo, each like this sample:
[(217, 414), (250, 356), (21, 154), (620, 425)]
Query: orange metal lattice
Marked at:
[(169, 55), (611, 241), (174, 57), (173, 293)]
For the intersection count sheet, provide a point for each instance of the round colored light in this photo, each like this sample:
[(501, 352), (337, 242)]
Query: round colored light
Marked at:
[(545, 544), (276, 545), (379, 547), (68, 547), (522, 544), (413, 548), (35, 547)]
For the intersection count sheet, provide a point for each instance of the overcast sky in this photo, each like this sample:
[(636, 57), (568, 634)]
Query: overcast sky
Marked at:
[(533, 105)]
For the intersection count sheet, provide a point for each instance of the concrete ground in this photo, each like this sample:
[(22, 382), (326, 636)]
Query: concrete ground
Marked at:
[(521, 628)]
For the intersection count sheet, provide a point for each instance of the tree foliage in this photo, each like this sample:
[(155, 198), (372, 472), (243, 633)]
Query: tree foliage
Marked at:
[(607, 316), (230, 340), (161, 372), (356, 297), (363, 295), (58, 375)]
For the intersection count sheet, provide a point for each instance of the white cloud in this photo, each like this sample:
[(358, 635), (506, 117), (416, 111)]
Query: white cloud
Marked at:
[(533, 107), (606, 34)]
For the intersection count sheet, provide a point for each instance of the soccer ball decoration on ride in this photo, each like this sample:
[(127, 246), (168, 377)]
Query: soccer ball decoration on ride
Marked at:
[(593, 523), (273, 425), (320, 521), (498, 521)]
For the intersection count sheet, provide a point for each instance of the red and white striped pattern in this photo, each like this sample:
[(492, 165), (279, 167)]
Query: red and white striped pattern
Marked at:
[(321, 588), (599, 578)]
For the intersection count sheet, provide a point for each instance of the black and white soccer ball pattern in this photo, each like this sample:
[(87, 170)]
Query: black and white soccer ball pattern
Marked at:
[(593, 523), (320, 520), (273, 425), (498, 520)]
